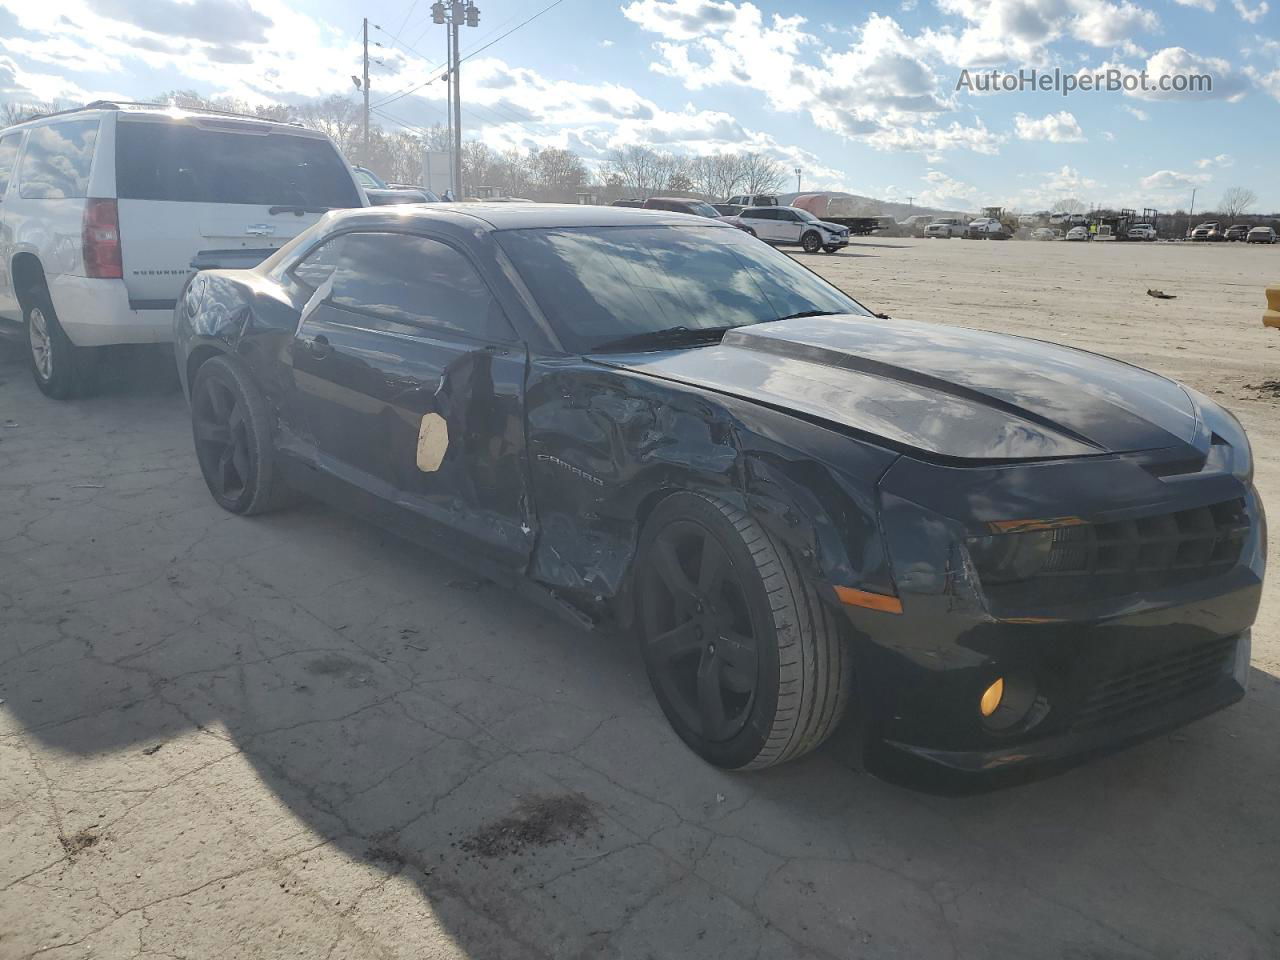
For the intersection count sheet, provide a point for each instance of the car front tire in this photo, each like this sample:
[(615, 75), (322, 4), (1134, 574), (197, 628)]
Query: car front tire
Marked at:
[(60, 369), (747, 663), (811, 242), (232, 432)]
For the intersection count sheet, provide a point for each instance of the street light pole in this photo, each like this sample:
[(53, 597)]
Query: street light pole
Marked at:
[(455, 14), (797, 179), (365, 87)]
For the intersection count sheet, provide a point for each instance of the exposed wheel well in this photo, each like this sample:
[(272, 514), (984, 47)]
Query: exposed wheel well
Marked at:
[(28, 276)]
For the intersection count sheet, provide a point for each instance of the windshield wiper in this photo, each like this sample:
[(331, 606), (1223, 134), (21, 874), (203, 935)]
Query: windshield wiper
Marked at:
[(666, 337), (809, 313), (296, 209)]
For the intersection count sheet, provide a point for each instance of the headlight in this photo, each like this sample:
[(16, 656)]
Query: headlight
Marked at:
[(1230, 449)]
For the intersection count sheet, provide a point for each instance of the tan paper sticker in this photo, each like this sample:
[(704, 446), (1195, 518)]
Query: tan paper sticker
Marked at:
[(433, 441)]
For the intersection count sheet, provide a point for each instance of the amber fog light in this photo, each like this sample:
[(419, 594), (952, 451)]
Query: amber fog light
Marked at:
[(1007, 701)]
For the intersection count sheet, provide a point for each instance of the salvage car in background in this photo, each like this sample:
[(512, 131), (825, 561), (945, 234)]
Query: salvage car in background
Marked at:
[(1044, 233), (999, 553), (1207, 232), (697, 208), (1262, 235), (1142, 231), (1236, 232), (109, 208), (1078, 233), (383, 194), (945, 228), (986, 228), (791, 226)]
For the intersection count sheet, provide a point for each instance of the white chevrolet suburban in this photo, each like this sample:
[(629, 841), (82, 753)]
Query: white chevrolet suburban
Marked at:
[(106, 210)]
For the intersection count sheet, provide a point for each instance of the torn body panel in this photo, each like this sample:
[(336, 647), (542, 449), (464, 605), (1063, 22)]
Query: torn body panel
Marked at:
[(606, 446)]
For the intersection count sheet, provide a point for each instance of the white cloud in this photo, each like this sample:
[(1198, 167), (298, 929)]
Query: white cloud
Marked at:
[(1208, 5), (1221, 160), (1137, 112), (1171, 181), (1108, 135), (945, 192), (1054, 127), (1251, 14), (880, 89), (1019, 31), (606, 43), (1228, 82)]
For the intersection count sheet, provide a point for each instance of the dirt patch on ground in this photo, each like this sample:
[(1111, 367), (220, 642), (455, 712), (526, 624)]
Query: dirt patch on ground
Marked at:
[(79, 842), (538, 822), (1267, 388)]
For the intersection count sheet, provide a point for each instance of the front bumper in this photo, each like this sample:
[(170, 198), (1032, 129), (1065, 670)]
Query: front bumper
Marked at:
[(1098, 674)]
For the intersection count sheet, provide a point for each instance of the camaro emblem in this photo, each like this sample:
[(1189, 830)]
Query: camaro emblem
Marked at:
[(260, 229)]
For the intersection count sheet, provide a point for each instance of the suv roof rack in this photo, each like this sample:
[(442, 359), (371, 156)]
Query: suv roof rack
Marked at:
[(117, 104)]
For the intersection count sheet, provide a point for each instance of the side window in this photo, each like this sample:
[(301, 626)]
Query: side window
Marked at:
[(763, 214), (8, 154), (418, 281), (56, 163), (314, 269)]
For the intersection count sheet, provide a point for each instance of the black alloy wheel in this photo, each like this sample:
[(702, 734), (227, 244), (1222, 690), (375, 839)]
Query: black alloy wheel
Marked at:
[(700, 635), (811, 242), (233, 438), (747, 663)]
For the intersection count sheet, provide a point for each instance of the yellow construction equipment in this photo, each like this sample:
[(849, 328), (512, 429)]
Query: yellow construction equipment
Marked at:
[(1272, 317)]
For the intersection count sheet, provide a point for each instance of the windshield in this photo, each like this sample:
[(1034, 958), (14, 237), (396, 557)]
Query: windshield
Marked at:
[(704, 210), (806, 215), (368, 180), (178, 161), (600, 284)]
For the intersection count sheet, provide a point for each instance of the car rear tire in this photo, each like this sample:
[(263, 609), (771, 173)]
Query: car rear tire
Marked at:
[(60, 369), (746, 661), (232, 432), (811, 242)]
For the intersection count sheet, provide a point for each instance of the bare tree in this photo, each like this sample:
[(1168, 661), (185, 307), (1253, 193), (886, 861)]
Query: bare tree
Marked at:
[(1069, 205), (1237, 200), (12, 112), (762, 174), (337, 116), (717, 175), (192, 100), (641, 168), (555, 174)]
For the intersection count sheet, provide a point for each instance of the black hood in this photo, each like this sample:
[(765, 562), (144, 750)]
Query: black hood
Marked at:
[(944, 390)]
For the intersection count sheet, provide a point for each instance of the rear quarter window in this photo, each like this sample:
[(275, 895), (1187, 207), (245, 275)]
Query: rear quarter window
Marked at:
[(183, 162), (8, 154), (57, 161)]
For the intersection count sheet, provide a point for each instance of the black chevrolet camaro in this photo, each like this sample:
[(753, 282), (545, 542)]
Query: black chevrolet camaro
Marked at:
[(1000, 554)]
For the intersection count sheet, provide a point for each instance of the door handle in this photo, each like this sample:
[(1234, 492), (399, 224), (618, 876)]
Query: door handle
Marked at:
[(318, 346)]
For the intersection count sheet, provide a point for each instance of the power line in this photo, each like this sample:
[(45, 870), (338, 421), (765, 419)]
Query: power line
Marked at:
[(522, 23)]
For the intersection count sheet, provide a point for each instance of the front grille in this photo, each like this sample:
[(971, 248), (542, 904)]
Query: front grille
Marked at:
[(1156, 682), (1104, 560)]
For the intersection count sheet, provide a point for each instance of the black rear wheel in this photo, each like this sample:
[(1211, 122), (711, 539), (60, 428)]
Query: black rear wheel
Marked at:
[(746, 663), (233, 438)]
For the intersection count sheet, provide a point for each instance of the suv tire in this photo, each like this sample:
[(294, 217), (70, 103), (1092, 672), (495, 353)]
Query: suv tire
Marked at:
[(60, 369)]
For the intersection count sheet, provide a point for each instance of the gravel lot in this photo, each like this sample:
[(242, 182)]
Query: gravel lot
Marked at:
[(297, 736)]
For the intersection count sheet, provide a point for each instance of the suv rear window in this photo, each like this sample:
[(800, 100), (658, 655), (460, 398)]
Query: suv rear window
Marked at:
[(180, 161)]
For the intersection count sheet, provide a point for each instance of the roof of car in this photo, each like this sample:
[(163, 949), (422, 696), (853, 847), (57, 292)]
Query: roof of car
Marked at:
[(166, 111), (521, 216)]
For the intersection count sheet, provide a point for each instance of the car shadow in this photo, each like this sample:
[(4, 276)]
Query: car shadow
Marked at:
[(518, 772)]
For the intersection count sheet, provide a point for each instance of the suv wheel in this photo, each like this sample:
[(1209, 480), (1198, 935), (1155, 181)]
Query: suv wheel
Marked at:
[(811, 242), (58, 366)]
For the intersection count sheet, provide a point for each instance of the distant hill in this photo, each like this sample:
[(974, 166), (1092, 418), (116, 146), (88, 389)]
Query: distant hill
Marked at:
[(871, 207)]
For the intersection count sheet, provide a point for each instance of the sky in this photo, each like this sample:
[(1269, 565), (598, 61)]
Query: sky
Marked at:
[(860, 96)]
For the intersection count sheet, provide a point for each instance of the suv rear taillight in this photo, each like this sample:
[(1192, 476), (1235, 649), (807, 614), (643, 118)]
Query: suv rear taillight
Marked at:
[(101, 238)]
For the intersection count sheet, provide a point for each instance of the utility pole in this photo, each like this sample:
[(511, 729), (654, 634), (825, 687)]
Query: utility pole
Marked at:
[(1192, 212), (797, 179), (455, 14), (366, 90), (910, 201)]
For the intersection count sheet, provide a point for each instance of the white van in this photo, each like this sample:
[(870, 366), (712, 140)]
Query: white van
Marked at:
[(105, 211)]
